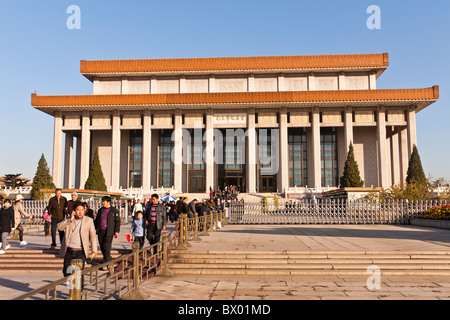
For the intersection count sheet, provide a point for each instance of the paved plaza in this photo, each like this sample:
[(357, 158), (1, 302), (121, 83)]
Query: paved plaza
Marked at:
[(343, 238), (308, 238)]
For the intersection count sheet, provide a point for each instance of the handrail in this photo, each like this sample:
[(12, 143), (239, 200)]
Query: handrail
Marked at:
[(125, 273)]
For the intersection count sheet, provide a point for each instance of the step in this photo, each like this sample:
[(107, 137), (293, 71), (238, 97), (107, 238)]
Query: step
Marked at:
[(307, 272), (217, 262), (307, 262), (41, 261), (274, 258), (359, 266), (312, 253)]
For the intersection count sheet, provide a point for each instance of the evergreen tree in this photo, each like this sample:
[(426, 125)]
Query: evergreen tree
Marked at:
[(415, 172), (351, 177), (96, 180), (42, 180), (14, 181)]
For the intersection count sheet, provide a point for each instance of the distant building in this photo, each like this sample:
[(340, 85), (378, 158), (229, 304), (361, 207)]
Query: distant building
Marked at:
[(10, 192), (266, 124)]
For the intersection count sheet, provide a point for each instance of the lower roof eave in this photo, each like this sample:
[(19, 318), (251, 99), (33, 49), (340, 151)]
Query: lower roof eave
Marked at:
[(420, 105)]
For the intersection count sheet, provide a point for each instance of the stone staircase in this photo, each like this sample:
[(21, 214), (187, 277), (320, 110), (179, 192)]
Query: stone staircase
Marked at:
[(336, 263), (39, 261)]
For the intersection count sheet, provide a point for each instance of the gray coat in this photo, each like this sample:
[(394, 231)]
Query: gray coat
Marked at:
[(161, 212), (191, 209)]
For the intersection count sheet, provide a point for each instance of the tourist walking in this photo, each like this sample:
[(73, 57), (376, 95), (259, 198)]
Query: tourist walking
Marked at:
[(71, 203), (56, 209), (191, 208), (18, 213), (47, 222), (89, 212), (155, 217), (136, 208), (172, 211), (79, 232), (181, 207), (107, 226), (138, 229), (6, 224)]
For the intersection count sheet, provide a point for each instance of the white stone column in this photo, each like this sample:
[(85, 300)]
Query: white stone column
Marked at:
[(177, 154), (382, 148), (251, 83), (251, 149), (412, 135), (182, 85), (395, 159), (209, 150), (341, 82), (404, 154), (57, 149), (373, 81), (315, 128), (125, 88), (146, 150), (212, 84), (348, 128), (115, 151), (78, 161), (311, 82), (85, 148), (153, 86), (281, 83), (283, 156), (68, 161)]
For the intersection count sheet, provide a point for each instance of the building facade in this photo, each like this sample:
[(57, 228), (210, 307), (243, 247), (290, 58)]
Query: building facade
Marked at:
[(266, 124)]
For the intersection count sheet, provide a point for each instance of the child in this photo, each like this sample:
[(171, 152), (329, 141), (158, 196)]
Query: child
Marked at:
[(138, 229), (6, 223)]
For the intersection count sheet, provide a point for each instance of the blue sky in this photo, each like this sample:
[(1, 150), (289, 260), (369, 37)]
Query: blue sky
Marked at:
[(40, 54)]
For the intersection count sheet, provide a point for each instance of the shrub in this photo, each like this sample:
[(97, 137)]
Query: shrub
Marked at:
[(437, 213), (351, 177), (96, 179)]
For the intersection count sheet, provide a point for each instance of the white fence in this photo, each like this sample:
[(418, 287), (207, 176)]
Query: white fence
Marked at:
[(37, 208), (328, 211)]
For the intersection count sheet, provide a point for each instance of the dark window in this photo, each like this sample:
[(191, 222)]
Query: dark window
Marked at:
[(165, 176), (195, 150), (135, 163), (328, 157), (298, 170), (234, 153)]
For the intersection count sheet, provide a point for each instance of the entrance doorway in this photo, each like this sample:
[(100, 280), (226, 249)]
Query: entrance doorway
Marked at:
[(232, 178), (196, 181), (268, 184)]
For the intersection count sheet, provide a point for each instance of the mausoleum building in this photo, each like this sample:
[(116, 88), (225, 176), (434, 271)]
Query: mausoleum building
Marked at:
[(267, 124)]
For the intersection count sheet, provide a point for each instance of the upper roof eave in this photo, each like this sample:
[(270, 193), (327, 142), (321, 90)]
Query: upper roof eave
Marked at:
[(268, 64)]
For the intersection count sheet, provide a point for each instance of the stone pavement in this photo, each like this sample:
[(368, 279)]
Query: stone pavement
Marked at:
[(308, 238), (279, 237), (13, 285)]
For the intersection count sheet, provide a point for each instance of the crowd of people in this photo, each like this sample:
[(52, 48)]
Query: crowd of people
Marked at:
[(10, 220), (218, 200), (81, 230)]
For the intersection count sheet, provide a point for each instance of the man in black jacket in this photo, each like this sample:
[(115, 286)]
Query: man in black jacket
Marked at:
[(57, 207), (155, 219), (107, 225)]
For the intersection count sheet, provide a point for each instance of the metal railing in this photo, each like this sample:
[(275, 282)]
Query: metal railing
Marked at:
[(328, 211), (124, 274), (36, 208)]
